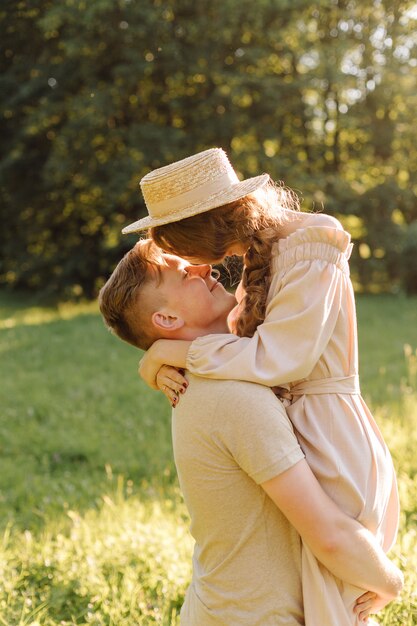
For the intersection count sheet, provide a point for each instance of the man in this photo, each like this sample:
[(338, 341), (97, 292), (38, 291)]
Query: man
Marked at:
[(243, 475)]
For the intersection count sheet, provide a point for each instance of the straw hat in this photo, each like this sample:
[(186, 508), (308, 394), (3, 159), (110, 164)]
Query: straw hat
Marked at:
[(193, 185)]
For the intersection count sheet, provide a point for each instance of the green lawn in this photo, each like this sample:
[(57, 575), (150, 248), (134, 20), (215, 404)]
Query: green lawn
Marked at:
[(94, 530)]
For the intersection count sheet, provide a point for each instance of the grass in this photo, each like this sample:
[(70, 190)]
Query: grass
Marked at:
[(93, 528)]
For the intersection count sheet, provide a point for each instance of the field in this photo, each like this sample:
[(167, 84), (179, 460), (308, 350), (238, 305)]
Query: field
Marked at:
[(93, 528)]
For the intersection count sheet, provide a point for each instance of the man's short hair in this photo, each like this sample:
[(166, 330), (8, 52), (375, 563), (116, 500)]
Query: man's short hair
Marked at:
[(124, 313)]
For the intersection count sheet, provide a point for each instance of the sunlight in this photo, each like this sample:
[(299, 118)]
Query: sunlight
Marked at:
[(34, 316)]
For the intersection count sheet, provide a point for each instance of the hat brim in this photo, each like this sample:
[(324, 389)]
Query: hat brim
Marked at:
[(232, 193)]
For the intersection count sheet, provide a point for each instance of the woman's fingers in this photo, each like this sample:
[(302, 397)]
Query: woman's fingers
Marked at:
[(365, 611), (178, 375), (171, 395), (171, 383), (170, 377), (365, 605), (365, 597), (167, 391)]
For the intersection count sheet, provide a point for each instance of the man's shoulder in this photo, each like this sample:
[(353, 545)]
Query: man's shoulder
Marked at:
[(244, 421), (226, 389), (208, 396)]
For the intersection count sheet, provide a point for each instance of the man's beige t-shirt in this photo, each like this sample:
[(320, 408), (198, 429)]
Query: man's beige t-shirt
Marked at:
[(228, 437)]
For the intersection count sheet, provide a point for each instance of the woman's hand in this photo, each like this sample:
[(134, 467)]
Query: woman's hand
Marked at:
[(164, 351), (171, 382), (368, 603), (150, 364)]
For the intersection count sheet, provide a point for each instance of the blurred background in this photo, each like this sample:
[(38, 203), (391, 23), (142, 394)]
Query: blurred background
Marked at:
[(94, 94)]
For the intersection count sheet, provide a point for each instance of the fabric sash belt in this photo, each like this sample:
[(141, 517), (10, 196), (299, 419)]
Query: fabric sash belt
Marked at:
[(343, 384)]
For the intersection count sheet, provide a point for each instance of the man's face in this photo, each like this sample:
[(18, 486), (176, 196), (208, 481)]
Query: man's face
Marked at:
[(193, 295)]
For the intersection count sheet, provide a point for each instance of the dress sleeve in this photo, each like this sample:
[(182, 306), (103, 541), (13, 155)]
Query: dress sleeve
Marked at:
[(300, 319)]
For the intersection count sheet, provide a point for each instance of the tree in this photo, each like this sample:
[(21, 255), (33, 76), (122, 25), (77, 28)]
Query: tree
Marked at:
[(95, 94)]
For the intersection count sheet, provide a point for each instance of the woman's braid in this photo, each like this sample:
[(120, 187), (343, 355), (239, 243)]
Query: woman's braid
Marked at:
[(255, 281)]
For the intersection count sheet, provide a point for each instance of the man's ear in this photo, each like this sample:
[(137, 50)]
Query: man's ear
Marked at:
[(167, 322)]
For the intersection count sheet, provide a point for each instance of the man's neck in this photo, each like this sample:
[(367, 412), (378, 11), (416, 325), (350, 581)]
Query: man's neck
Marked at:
[(189, 334)]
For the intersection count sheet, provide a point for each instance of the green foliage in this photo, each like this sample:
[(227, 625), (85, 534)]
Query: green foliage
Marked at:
[(68, 418), (127, 563), (409, 260), (93, 527), (94, 94)]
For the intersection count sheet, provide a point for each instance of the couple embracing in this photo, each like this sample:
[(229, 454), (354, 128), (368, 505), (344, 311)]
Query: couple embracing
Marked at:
[(289, 485)]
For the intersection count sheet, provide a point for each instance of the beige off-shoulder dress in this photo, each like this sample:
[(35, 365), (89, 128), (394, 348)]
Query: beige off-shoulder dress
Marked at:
[(308, 345)]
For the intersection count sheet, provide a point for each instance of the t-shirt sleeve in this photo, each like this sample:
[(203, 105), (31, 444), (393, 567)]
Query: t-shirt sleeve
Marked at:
[(300, 319), (253, 427)]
